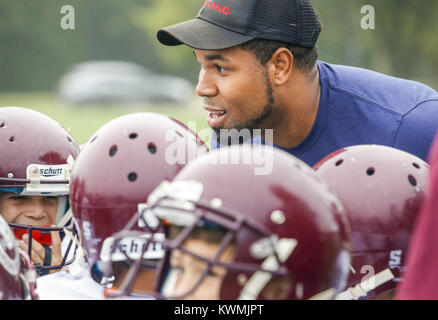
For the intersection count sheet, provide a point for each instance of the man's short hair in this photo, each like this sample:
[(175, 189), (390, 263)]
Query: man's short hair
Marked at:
[(304, 58)]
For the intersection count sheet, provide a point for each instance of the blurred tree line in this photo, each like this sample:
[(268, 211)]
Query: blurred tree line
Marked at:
[(35, 51)]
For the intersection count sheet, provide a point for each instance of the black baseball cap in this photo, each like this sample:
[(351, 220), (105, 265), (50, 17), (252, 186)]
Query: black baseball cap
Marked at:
[(223, 24)]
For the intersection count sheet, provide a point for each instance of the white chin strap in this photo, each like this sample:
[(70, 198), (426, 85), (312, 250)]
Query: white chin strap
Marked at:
[(325, 295), (260, 279), (170, 283), (363, 288)]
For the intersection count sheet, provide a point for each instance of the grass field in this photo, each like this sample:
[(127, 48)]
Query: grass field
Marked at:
[(82, 121)]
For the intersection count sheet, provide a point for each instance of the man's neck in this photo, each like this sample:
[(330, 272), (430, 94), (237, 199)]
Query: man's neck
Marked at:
[(299, 104)]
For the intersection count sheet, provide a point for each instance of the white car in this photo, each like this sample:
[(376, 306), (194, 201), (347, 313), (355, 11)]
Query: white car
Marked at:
[(119, 81)]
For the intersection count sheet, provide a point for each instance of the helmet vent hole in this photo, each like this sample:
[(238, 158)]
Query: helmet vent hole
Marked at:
[(2, 124), (132, 176), (179, 133), (412, 180), (370, 171), (339, 162), (113, 151), (133, 135), (69, 139), (94, 138), (152, 148), (416, 165), (12, 139)]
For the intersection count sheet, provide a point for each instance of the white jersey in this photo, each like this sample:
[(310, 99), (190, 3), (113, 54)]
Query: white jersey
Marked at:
[(73, 282)]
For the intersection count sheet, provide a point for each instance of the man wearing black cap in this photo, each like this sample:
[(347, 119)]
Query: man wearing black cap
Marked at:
[(260, 70)]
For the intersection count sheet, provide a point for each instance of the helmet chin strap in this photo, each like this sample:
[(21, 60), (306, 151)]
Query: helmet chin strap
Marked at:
[(363, 288), (170, 282), (260, 279), (328, 294)]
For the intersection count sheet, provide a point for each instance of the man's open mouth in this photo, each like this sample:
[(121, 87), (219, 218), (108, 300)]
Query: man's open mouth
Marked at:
[(215, 117)]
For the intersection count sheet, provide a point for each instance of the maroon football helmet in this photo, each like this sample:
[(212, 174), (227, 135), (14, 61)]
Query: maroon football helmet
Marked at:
[(381, 189), (17, 274), (117, 169), (282, 222), (34, 162)]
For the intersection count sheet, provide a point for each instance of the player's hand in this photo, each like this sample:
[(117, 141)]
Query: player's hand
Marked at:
[(38, 251)]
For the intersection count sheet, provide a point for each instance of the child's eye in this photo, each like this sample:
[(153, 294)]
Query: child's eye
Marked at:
[(50, 198), (18, 198)]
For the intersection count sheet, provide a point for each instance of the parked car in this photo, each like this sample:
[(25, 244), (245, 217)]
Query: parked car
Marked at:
[(118, 82)]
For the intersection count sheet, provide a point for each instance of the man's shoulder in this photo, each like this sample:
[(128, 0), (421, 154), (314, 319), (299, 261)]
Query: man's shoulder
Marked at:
[(389, 93)]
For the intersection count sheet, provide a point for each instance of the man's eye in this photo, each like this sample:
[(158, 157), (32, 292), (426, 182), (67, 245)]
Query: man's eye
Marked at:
[(220, 68)]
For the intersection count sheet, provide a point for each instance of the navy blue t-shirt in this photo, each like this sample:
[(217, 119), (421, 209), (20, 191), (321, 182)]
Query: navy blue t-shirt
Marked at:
[(360, 106)]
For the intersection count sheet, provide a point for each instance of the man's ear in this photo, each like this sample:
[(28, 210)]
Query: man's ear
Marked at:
[(277, 289), (280, 66)]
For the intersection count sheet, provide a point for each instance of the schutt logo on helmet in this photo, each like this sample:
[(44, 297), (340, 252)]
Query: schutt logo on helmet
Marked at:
[(51, 172)]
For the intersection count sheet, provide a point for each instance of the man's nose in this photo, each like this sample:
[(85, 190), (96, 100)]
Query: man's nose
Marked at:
[(206, 86)]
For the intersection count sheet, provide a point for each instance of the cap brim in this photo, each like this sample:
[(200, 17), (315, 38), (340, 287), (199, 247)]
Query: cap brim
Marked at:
[(201, 34)]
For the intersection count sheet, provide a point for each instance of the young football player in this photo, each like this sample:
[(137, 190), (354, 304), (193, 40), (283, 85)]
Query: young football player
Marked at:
[(117, 169), (382, 189), (34, 185), (236, 232)]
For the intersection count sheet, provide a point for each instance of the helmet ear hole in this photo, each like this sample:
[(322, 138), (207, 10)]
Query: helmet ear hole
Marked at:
[(132, 176), (370, 171), (412, 180), (416, 165), (152, 148), (113, 151)]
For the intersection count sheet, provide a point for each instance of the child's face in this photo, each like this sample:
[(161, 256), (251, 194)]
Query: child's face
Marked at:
[(29, 210), (186, 270)]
